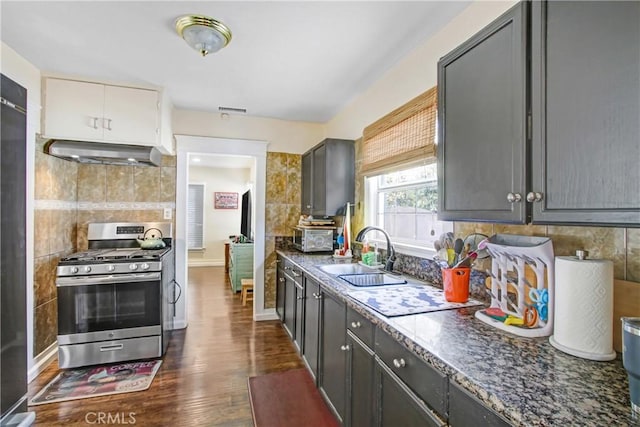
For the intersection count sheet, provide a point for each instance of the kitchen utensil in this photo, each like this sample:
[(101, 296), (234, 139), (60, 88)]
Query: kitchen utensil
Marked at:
[(151, 242), (475, 244), (458, 245), (467, 261)]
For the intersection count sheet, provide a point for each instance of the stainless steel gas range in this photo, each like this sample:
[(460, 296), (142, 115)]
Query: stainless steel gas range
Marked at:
[(116, 300)]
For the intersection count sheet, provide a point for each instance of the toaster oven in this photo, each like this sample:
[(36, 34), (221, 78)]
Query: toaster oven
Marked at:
[(308, 239)]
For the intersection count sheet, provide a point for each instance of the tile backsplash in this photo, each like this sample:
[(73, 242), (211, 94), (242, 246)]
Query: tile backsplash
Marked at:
[(68, 196)]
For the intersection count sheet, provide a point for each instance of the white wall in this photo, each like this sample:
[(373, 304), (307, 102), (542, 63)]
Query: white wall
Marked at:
[(283, 136), (24, 73), (219, 223), (415, 74)]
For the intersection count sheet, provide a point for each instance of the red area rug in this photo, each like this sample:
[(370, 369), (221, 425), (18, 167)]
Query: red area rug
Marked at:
[(288, 399)]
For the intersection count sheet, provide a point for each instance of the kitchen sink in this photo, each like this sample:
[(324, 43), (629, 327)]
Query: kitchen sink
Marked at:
[(351, 268), (372, 279)]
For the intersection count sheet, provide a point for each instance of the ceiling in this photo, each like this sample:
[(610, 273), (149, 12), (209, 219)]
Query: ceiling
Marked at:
[(302, 60)]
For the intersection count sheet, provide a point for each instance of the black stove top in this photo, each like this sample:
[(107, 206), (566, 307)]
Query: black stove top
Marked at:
[(114, 255)]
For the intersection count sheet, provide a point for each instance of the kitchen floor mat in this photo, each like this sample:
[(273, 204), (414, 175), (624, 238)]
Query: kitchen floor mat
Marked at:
[(406, 299), (80, 383)]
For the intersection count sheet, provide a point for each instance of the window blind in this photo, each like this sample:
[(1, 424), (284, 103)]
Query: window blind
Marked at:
[(404, 136), (195, 217)]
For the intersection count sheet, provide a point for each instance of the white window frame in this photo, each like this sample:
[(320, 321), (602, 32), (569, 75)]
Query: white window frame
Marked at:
[(408, 247), (202, 247)]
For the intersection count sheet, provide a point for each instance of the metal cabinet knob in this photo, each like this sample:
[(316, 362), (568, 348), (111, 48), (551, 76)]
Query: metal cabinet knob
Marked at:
[(399, 363), (281, 279), (534, 196), (513, 197), (317, 296), (295, 273), (344, 347), (299, 297), (286, 267), (355, 324), (308, 206)]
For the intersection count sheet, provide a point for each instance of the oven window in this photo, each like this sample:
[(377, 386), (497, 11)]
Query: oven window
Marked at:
[(101, 307)]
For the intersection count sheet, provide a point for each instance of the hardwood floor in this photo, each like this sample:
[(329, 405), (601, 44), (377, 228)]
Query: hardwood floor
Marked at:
[(203, 378)]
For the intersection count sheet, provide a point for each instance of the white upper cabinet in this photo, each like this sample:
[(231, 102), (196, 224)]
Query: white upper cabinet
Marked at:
[(87, 111)]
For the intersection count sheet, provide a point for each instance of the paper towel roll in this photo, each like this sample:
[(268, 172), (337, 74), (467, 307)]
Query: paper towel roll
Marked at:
[(584, 308)]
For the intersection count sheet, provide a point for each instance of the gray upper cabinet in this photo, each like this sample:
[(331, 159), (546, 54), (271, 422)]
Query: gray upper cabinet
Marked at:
[(482, 108), (543, 125), (328, 177), (586, 112)]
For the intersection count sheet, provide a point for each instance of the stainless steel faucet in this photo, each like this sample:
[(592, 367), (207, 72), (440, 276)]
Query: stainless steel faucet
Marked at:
[(391, 252)]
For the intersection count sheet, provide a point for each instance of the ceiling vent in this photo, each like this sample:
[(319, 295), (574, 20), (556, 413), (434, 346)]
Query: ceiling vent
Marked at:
[(232, 110)]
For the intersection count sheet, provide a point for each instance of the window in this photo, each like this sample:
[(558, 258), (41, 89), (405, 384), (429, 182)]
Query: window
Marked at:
[(404, 204), (195, 217)]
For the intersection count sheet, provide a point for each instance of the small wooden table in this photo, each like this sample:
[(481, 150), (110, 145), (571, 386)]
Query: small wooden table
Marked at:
[(226, 257), (246, 292)]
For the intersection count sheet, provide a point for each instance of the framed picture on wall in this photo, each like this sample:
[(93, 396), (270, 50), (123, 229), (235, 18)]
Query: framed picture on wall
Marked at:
[(223, 200)]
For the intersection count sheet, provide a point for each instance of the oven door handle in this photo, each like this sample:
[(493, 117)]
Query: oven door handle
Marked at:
[(107, 280), (112, 347)]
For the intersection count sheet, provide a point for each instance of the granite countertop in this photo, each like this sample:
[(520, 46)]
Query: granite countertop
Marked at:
[(526, 380)]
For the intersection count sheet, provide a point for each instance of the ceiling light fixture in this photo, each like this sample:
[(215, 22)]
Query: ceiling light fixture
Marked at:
[(202, 33)]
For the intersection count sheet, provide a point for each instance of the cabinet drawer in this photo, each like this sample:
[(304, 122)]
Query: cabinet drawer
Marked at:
[(425, 381), (361, 327), (465, 410)]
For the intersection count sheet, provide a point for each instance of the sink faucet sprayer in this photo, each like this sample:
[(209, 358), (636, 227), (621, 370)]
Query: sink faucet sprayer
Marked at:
[(391, 252)]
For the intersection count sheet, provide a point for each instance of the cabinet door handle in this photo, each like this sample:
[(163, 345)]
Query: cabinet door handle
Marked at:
[(344, 347), (300, 298), (112, 347), (286, 267), (317, 296), (295, 273), (355, 324), (108, 127), (534, 197), (281, 279), (399, 363), (95, 123), (513, 197)]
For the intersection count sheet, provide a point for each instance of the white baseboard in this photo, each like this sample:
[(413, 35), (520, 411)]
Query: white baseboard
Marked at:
[(41, 361), (205, 263), (268, 314)]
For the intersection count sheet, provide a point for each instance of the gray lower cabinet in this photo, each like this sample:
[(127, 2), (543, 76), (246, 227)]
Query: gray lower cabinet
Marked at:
[(482, 109), (541, 125), (291, 274), (360, 383), (466, 410), (333, 354), (328, 177), (586, 112), (280, 288), (311, 326), (398, 405)]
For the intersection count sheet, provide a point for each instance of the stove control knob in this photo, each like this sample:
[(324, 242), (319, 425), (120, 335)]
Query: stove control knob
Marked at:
[(145, 266), (133, 266), (87, 269), (111, 267), (73, 270)]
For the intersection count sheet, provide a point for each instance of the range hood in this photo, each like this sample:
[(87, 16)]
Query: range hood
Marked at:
[(104, 153)]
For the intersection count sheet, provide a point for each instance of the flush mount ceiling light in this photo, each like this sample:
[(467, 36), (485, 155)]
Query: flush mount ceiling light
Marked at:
[(202, 33)]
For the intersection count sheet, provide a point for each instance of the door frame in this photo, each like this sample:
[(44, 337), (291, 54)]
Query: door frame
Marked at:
[(186, 145)]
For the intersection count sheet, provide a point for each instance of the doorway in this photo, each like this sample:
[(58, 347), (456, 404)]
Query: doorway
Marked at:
[(187, 145)]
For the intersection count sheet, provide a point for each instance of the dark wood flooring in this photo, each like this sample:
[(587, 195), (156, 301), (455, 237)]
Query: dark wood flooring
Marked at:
[(203, 379)]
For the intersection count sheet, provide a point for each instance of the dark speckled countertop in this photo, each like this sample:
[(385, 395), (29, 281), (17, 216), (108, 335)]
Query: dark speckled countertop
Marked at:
[(526, 380)]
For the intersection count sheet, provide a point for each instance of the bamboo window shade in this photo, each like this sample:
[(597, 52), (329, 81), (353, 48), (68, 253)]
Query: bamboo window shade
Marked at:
[(406, 135)]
